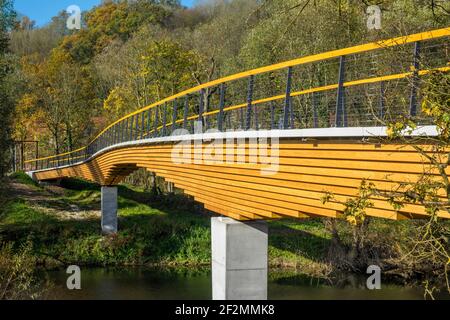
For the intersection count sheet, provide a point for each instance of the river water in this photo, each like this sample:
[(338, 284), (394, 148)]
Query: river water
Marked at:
[(157, 284)]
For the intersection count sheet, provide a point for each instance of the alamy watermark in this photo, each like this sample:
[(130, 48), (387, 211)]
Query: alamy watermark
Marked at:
[(374, 281), (261, 149), (74, 280), (74, 20), (373, 17)]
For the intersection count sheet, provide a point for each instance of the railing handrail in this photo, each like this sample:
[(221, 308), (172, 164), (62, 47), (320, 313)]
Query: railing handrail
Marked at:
[(397, 41)]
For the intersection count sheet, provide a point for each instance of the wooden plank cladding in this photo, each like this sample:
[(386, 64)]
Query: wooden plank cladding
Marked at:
[(268, 181)]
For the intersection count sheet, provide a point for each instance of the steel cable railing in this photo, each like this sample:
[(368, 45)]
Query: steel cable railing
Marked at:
[(366, 85)]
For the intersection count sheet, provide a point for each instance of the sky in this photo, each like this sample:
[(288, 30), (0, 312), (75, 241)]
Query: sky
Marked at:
[(42, 11)]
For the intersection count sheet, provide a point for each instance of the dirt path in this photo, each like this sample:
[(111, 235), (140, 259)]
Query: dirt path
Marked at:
[(48, 199)]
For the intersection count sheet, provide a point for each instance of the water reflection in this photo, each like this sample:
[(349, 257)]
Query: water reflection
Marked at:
[(157, 284)]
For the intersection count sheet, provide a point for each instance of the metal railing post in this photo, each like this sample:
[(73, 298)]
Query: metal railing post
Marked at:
[(206, 119), (121, 125), (130, 129), (201, 105), (186, 110), (175, 115), (314, 106), (272, 116), (114, 135), (221, 106), (149, 122), (136, 128), (382, 100), (142, 124), (164, 120), (341, 117), (415, 80), (156, 124), (287, 103), (251, 82)]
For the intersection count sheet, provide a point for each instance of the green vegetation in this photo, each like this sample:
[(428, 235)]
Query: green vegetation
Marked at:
[(17, 274), (63, 227), (23, 178), (161, 235), (7, 18), (154, 230)]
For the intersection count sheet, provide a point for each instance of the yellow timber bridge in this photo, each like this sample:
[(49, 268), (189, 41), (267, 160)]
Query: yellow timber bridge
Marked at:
[(273, 142)]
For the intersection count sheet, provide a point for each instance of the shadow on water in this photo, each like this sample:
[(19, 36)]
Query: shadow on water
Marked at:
[(180, 284), (136, 284), (291, 286)]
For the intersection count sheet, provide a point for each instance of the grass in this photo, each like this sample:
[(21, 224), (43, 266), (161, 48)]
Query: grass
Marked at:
[(164, 233), (19, 212), (165, 230), (23, 178)]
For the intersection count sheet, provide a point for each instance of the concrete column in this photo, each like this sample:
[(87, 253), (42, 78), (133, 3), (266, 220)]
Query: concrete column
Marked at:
[(109, 210), (239, 259)]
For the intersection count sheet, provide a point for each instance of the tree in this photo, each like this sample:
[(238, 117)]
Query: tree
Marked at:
[(146, 69), (28, 40), (432, 189), (112, 21), (61, 97), (7, 20)]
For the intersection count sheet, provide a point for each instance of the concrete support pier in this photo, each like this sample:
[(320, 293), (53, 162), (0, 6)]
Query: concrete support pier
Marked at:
[(109, 210), (239, 259)]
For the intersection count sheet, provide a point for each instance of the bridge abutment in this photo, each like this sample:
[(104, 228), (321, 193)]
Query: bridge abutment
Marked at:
[(239, 259), (109, 210)]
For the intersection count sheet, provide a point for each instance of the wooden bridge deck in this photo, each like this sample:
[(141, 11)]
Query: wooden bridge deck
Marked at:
[(333, 93), (294, 187)]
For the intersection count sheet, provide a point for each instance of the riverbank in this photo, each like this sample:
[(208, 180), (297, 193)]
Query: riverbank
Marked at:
[(62, 223)]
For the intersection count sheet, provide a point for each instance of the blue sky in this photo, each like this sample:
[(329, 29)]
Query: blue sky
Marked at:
[(43, 10)]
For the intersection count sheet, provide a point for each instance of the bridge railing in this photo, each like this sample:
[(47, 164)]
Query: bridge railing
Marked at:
[(366, 85)]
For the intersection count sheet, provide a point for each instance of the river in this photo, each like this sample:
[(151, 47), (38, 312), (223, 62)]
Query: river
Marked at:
[(158, 284)]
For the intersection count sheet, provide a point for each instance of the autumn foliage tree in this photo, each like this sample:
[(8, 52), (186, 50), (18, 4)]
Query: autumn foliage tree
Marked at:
[(60, 98), (154, 68), (112, 21), (431, 244), (7, 18)]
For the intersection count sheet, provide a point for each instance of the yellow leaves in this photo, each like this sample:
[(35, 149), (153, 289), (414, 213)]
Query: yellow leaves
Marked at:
[(114, 100), (352, 220), (400, 128), (327, 197), (355, 209), (26, 103), (394, 129), (431, 109), (356, 218), (118, 101), (436, 102), (390, 132), (26, 115)]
